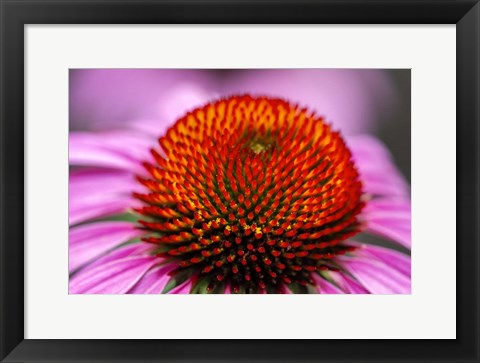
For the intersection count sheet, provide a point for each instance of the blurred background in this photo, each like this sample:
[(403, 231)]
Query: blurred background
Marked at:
[(354, 101)]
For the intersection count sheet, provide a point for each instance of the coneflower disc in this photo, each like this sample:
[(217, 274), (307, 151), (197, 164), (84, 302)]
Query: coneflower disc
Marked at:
[(255, 194)]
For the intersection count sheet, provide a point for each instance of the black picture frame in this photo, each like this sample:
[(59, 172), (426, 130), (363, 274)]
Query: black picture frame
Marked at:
[(15, 14)]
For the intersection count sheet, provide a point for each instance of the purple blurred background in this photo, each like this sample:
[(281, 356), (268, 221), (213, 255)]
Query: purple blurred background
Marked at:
[(355, 101)]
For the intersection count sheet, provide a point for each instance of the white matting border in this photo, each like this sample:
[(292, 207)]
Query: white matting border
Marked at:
[(428, 313)]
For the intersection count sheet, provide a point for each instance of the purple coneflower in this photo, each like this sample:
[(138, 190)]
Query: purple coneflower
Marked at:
[(242, 195)]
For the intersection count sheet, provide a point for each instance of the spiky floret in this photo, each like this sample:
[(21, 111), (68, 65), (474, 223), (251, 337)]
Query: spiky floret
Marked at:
[(251, 192)]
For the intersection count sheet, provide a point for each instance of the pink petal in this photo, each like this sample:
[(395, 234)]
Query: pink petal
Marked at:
[(98, 192), (347, 284), (183, 288), (103, 99), (115, 277), (174, 104), (376, 167), (101, 181), (182, 98), (399, 207), (119, 150), (88, 209), (390, 218), (398, 230), (368, 148), (378, 277), (396, 260), (382, 183), (154, 281), (154, 126), (133, 249), (90, 241), (325, 287)]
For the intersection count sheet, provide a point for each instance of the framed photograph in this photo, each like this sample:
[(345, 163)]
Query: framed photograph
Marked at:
[(239, 181)]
